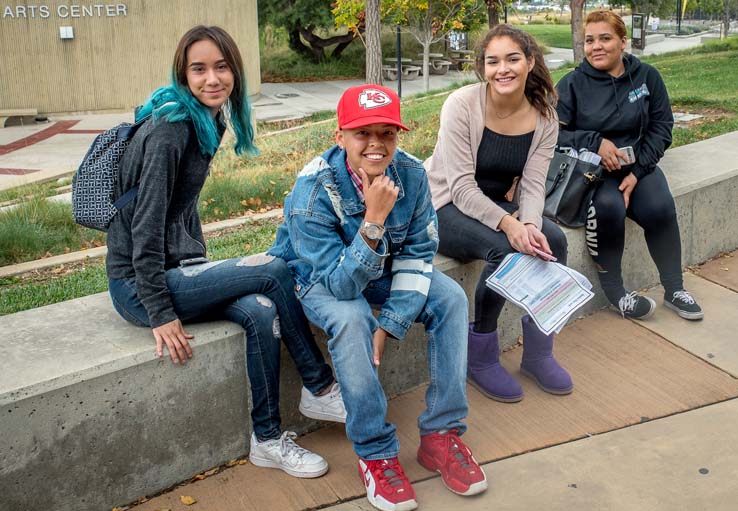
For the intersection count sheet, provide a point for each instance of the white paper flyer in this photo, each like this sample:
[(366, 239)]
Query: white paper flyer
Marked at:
[(549, 292)]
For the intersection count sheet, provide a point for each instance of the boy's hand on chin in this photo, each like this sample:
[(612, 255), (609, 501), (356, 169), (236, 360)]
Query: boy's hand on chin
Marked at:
[(380, 196)]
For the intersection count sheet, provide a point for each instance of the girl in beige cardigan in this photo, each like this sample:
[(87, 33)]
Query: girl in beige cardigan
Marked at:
[(493, 135)]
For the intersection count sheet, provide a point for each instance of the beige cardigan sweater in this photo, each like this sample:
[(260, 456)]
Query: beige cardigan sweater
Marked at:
[(452, 165)]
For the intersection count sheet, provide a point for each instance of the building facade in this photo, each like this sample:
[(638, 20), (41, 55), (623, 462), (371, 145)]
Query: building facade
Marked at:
[(93, 55)]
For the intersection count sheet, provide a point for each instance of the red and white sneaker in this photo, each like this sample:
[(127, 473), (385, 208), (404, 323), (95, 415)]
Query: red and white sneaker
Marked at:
[(447, 454), (387, 486)]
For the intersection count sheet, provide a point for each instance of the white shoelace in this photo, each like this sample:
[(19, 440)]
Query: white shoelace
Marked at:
[(289, 448), (627, 303), (683, 296), (335, 392)]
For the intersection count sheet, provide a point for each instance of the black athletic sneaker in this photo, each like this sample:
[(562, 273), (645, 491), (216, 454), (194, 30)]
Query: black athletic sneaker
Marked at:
[(684, 304), (635, 306)]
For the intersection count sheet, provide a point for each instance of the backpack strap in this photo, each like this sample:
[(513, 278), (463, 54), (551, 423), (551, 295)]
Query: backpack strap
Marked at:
[(127, 197), (126, 134)]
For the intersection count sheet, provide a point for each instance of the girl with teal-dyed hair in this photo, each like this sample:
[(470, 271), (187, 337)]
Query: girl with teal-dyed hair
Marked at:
[(158, 272)]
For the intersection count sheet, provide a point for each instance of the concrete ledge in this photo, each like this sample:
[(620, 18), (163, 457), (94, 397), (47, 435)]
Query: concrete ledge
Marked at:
[(16, 112), (92, 419)]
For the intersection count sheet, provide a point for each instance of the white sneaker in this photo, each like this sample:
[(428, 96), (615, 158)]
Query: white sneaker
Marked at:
[(329, 407), (283, 453)]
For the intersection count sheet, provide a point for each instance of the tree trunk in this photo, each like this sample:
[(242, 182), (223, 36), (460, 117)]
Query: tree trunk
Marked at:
[(298, 47), (373, 47), (493, 12), (726, 19), (316, 49), (426, 66), (577, 29)]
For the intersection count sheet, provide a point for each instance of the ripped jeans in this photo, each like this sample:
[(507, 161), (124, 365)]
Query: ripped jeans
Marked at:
[(257, 293)]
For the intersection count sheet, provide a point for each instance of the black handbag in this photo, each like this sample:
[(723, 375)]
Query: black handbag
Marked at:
[(570, 185)]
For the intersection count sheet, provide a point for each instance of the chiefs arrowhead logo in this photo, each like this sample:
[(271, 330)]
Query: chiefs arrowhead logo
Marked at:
[(373, 98)]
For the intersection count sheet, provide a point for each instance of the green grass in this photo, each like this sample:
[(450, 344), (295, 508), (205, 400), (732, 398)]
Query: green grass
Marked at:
[(557, 36), (59, 285), (703, 81), (46, 189), (37, 228), (16, 296)]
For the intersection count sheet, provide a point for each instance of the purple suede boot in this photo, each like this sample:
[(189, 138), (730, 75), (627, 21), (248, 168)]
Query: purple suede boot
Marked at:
[(485, 372), (539, 363)]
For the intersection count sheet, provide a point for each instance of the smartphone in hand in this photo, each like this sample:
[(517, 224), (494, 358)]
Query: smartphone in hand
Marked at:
[(628, 150), (543, 255)]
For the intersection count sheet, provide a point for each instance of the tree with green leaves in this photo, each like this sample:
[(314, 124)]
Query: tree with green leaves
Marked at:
[(302, 19), (363, 16), (428, 21)]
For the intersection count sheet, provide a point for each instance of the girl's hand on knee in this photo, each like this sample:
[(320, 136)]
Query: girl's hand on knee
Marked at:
[(174, 336), (517, 235), (627, 185), (380, 336)]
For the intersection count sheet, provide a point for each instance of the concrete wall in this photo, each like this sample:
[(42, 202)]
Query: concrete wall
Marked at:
[(121, 51)]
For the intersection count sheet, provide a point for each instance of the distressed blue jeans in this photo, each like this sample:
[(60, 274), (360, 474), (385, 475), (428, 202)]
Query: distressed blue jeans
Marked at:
[(257, 293), (350, 325)]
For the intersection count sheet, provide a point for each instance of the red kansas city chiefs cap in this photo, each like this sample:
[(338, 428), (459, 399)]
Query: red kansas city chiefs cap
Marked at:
[(369, 104)]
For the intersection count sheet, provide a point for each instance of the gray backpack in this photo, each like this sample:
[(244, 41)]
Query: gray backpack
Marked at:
[(93, 185)]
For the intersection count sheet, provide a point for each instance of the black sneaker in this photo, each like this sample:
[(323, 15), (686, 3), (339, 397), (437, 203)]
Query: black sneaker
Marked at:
[(685, 305), (635, 306)]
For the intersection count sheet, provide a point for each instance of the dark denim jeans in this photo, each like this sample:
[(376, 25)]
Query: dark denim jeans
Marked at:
[(465, 238), (257, 293)]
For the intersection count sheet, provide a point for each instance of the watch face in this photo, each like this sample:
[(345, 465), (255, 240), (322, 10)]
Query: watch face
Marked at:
[(373, 231)]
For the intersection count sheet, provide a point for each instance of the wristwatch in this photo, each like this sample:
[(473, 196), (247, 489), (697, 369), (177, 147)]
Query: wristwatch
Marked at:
[(372, 231)]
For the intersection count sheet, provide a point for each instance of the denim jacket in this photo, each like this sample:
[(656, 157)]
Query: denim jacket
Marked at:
[(320, 237)]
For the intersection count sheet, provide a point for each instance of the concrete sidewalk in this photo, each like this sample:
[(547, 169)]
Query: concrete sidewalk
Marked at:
[(650, 426)]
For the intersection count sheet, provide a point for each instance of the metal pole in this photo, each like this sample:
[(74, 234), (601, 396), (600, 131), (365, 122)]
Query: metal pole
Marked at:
[(399, 62), (679, 17)]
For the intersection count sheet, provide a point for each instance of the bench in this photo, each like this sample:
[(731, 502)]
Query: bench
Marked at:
[(461, 63), (91, 419), (16, 112), (389, 73), (435, 67), (439, 67), (411, 72)]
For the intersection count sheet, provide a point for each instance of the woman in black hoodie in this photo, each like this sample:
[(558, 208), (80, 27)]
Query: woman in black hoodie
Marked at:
[(609, 102)]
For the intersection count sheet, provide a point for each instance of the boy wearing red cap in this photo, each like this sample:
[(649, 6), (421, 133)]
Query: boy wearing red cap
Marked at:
[(360, 233)]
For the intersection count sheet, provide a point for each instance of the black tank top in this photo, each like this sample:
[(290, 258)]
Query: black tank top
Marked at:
[(500, 159)]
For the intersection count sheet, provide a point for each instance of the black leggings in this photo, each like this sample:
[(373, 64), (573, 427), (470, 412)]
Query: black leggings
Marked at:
[(465, 238), (652, 207)]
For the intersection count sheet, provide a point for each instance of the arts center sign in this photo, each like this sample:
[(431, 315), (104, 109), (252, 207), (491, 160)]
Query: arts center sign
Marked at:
[(64, 11)]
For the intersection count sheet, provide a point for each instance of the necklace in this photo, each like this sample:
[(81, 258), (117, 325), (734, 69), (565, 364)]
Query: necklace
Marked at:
[(492, 103), (503, 116)]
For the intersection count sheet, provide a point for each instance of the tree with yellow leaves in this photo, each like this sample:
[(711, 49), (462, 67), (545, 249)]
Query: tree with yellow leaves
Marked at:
[(428, 21)]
